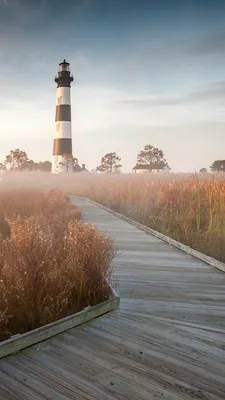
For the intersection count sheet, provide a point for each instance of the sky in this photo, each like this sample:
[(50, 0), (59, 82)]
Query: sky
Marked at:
[(146, 72)]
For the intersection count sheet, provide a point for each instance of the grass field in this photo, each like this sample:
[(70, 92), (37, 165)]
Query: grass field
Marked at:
[(52, 264), (189, 208)]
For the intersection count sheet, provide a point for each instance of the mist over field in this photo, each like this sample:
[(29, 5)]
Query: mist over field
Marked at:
[(189, 208)]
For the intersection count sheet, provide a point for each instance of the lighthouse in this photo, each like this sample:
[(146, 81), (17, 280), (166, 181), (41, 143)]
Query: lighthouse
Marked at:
[(63, 129)]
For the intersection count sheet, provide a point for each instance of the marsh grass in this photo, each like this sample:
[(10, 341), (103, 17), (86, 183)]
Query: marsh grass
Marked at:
[(189, 209), (52, 264)]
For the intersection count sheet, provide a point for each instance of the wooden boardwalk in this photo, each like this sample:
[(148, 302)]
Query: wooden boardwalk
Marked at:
[(166, 341)]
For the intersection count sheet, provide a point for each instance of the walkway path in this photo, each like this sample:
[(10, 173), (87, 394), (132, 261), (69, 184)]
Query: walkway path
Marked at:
[(166, 341)]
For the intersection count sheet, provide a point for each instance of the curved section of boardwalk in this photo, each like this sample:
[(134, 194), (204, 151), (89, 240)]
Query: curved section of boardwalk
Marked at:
[(166, 341)]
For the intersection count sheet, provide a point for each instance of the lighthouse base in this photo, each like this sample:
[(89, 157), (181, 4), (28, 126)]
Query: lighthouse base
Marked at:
[(60, 165)]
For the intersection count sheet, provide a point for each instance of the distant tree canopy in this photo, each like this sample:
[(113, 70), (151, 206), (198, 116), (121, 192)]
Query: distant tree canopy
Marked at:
[(29, 165), (218, 166), (45, 166), (203, 170), (151, 156), (68, 162), (110, 164), (17, 160)]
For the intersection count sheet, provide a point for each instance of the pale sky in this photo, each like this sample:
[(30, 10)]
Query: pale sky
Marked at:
[(146, 72)]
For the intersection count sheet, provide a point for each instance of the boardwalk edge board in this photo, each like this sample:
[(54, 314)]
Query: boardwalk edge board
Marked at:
[(195, 253), (20, 342)]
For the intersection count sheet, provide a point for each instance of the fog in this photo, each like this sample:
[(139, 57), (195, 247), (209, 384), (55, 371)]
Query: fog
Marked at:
[(81, 184)]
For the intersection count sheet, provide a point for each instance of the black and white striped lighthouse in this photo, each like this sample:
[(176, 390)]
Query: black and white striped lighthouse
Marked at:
[(63, 133)]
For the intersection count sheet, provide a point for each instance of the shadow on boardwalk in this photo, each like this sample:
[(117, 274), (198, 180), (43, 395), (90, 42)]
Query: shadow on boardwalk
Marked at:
[(167, 340)]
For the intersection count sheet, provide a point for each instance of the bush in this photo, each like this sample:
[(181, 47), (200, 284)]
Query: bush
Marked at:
[(52, 265), (4, 227)]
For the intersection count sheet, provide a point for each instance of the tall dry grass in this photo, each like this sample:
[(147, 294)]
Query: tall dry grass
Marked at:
[(190, 209), (187, 207), (52, 264)]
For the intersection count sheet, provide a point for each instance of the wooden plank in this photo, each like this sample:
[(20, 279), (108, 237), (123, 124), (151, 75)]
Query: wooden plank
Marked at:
[(197, 254), (166, 340), (19, 342)]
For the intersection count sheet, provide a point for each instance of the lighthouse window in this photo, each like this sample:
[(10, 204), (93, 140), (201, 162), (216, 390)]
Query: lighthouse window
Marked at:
[(57, 127), (59, 100), (64, 67)]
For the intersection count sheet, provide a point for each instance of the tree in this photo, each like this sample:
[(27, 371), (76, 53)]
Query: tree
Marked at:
[(203, 170), (29, 165), (110, 163), (15, 159), (68, 162), (18, 160), (45, 166), (152, 157), (218, 166)]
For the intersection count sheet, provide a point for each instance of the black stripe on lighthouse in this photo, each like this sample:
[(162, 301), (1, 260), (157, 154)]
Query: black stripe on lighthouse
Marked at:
[(63, 113), (62, 146)]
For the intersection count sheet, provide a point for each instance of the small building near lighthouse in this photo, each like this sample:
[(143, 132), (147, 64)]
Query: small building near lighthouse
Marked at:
[(150, 168), (77, 168)]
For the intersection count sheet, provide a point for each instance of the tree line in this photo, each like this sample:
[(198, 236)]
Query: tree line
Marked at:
[(217, 166), (18, 160), (149, 158)]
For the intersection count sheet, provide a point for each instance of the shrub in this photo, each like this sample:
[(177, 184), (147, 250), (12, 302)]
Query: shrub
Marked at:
[(4, 227), (52, 265)]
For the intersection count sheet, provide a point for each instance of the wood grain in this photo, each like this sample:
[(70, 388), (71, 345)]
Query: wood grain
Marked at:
[(197, 254), (166, 341), (19, 342)]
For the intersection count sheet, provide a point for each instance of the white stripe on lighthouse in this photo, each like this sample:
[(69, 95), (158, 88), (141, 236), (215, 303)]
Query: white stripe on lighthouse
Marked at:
[(57, 163), (63, 96), (63, 130)]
